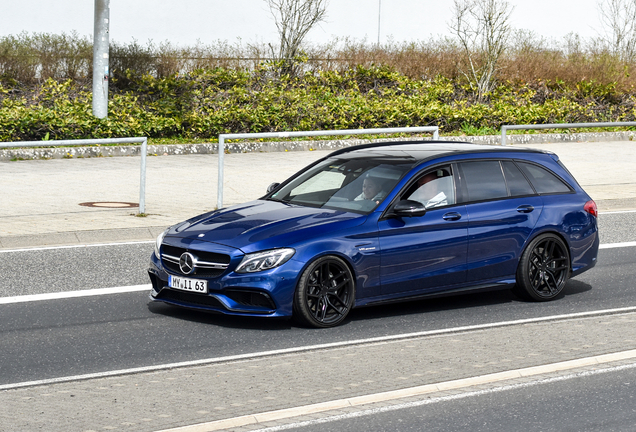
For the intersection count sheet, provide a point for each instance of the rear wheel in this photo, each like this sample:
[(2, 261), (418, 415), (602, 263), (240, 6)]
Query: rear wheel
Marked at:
[(544, 269), (325, 293)]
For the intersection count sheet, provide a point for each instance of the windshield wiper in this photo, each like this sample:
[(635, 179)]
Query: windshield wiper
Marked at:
[(278, 200)]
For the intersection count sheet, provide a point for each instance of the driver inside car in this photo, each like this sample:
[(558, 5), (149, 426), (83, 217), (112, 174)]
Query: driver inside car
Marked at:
[(431, 190)]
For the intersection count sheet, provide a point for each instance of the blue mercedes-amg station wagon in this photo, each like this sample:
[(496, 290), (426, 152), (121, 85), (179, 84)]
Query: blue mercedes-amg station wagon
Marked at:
[(380, 223)]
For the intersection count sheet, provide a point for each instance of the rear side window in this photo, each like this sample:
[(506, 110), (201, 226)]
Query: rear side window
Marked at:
[(543, 180), (517, 184), (484, 180)]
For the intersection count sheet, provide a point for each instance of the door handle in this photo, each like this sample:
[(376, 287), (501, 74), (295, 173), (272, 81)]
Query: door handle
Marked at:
[(453, 216), (525, 208)]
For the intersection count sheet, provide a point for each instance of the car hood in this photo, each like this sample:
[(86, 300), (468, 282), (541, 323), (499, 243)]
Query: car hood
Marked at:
[(261, 224)]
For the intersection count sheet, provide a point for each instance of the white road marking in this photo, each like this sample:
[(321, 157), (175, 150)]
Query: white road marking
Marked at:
[(279, 352), (74, 246), (74, 294), (254, 419), (617, 212), (617, 245)]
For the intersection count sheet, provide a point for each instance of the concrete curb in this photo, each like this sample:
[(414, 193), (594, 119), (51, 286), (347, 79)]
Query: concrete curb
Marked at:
[(77, 238), (248, 147)]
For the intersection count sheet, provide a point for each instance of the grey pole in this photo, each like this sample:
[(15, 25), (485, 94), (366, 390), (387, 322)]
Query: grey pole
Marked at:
[(379, 10), (100, 58)]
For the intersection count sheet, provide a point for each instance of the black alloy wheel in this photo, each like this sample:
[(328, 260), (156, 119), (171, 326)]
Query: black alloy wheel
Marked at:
[(544, 269), (325, 293)]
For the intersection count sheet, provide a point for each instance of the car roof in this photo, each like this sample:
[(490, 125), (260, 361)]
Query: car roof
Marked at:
[(422, 150)]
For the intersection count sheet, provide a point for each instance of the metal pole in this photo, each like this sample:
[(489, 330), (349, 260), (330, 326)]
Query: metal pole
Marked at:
[(379, 10), (100, 58), (503, 135), (142, 181)]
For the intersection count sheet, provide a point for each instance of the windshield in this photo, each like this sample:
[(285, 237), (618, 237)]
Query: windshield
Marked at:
[(357, 185)]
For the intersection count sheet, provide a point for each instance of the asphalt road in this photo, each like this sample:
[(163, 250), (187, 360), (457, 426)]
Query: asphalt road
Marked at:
[(49, 339), (54, 338)]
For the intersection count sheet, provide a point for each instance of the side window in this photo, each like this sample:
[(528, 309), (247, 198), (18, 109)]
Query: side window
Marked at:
[(517, 184), (484, 180), (435, 188), (543, 180)]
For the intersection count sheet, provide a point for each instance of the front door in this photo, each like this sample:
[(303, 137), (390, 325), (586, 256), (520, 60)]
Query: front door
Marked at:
[(428, 252), (424, 253)]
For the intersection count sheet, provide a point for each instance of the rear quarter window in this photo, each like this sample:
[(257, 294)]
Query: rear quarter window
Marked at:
[(517, 183), (543, 180)]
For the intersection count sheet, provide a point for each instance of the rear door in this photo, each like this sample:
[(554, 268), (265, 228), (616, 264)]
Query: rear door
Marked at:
[(503, 209)]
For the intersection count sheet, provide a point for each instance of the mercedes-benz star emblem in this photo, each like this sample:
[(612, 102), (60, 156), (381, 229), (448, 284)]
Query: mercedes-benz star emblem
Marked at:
[(186, 262)]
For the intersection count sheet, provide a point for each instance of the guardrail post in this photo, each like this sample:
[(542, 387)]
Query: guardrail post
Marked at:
[(222, 137), (504, 128), (142, 181), (82, 142), (219, 194)]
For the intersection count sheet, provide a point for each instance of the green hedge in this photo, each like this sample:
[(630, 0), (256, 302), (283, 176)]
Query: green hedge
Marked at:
[(207, 103)]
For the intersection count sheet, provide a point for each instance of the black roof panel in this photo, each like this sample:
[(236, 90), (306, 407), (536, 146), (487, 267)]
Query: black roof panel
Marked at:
[(420, 150)]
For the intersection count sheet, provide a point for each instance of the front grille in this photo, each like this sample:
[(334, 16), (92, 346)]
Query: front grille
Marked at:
[(209, 264), (189, 298)]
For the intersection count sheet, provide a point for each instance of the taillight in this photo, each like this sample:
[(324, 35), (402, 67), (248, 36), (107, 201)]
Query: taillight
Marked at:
[(590, 207)]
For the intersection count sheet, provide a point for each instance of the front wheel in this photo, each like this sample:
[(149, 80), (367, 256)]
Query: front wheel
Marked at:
[(325, 293), (544, 269)]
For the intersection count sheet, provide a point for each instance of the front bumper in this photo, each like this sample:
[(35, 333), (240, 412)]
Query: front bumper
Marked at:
[(268, 293)]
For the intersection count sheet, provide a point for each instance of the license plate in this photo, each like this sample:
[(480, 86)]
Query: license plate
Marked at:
[(186, 284)]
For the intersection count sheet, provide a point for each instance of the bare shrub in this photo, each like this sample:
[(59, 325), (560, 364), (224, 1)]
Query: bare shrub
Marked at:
[(618, 18), (36, 57), (481, 29), (294, 19), (528, 58)]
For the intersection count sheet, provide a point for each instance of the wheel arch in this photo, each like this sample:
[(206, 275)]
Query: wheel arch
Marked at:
[(344, 257), (536, 234)]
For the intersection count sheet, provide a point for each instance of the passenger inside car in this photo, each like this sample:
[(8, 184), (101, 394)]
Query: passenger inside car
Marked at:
[(371, 190)]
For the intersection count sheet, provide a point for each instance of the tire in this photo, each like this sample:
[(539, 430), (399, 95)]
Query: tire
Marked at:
[(544, 269), (325, 293)]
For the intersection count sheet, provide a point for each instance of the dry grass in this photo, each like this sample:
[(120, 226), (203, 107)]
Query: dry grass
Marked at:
[(32, 58)]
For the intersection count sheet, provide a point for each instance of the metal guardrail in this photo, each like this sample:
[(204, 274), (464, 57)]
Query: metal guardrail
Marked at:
[(223, 137), (84, 142), (505, 128)]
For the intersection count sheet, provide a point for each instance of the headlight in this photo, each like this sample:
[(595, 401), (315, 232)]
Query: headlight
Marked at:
[(158, 243), (260, 261)]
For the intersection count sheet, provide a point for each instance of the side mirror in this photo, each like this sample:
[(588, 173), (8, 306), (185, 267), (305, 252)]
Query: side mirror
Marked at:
[(271, 187), (409, 208)]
